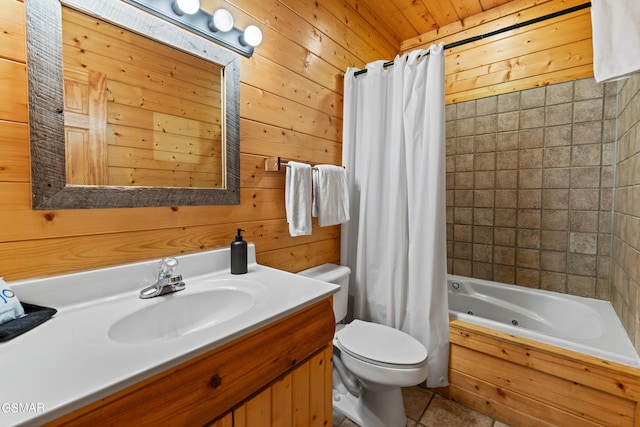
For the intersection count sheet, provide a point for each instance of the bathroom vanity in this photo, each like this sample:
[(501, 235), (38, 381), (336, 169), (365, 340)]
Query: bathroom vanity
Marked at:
[(287, 364), (264, 358)]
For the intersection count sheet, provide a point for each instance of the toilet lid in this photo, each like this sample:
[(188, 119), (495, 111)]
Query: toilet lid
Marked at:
[(381, 343)]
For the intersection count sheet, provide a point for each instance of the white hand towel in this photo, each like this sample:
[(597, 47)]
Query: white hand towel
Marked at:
[(616, 37), (331, 195), (297, 198), (10, 307)]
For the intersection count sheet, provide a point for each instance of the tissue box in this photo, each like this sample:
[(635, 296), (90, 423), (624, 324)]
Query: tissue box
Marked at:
[(10, 307)]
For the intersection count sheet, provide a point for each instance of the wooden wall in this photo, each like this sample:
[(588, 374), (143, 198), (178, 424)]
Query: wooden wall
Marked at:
[(551, 51), (530, 384), (291, 106)]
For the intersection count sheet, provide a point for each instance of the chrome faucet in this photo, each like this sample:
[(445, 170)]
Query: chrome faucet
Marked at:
[(167, 282)]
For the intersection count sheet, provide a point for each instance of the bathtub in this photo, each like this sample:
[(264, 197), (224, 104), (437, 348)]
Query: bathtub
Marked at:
[(574, 323)]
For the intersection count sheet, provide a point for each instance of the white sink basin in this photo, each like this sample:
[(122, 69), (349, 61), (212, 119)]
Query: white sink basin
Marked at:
[(184, 312)]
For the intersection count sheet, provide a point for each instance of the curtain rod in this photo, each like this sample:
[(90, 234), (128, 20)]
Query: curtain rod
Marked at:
[(501, 30)]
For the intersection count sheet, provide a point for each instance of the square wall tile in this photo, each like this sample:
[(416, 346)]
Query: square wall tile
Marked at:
[(485, 106), (560, 93), (555, 282), (588, 89), (531, 98)]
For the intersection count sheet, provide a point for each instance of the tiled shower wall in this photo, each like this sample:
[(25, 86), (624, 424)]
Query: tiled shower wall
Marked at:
[(529, 187), (625, 268)]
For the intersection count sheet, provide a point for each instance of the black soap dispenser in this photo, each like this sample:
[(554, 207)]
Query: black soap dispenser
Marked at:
[(239, 254)]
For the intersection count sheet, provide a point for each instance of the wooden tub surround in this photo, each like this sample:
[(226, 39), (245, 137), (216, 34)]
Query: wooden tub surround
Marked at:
[(526, 383), (279, 374)]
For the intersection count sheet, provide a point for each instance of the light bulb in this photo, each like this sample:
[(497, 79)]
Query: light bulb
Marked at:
[(180, 7), (222, 21), (252, 35)]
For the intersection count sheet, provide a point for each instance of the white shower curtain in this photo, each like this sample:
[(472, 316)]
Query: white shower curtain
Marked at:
[(395, 243)]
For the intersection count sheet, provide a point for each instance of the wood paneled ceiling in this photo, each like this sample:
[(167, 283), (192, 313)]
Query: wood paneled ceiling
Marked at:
[(405, 19)]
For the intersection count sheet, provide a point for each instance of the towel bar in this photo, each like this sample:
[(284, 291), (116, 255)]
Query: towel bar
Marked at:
[(275, 164)]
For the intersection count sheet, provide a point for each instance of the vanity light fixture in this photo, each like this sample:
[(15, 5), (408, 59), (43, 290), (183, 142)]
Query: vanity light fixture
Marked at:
[(222, 20), (252, 36), (217, 27), (180, 7)]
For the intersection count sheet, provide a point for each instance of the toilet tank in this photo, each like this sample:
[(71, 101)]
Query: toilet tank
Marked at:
[(338, 275)]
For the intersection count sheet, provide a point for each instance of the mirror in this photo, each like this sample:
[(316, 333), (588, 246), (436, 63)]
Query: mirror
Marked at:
[(127, 110)]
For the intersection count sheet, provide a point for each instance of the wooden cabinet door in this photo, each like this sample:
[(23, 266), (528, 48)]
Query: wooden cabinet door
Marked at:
[(302, 398)]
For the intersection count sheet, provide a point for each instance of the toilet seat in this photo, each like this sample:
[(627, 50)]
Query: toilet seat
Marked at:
[(381, 345)]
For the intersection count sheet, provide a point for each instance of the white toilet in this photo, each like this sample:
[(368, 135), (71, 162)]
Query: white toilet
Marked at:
[(371, 361)]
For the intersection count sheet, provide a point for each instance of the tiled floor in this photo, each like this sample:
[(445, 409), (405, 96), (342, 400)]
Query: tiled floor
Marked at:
[(427, 409)]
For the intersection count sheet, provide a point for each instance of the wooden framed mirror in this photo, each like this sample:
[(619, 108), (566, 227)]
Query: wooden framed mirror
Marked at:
[(127, 110)]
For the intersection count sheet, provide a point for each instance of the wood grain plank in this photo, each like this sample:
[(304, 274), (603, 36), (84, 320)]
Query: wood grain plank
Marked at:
[(597, 406), (418, 15), (240, 416), (527, 40), (301, 387), (135, 96), (132, 137), (328, 380), (131, 157), (386, 15), (443, 12), (282, 402), (269, 140), (252, 173), (13, 43), (380, 25), (557, 59), (510, 415), (295, 259), (123, 115), (164, 178), (277, 111), (490, 4), (57, 256), (15, 211), (318, 394), (509, 13), (14, 153), (275, 78), (138, 74), (553, 59), (13, 91), (76, 139), (522, 84), (466, 8), (97, 160), (89, 33), (257, 205), (508, 369), (258, 409), (305, 64), (226, 421), (349, 31), (619, 380), (284, 48)]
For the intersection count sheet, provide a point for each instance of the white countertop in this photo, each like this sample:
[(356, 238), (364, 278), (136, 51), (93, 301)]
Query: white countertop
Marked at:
[(70, 361)]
